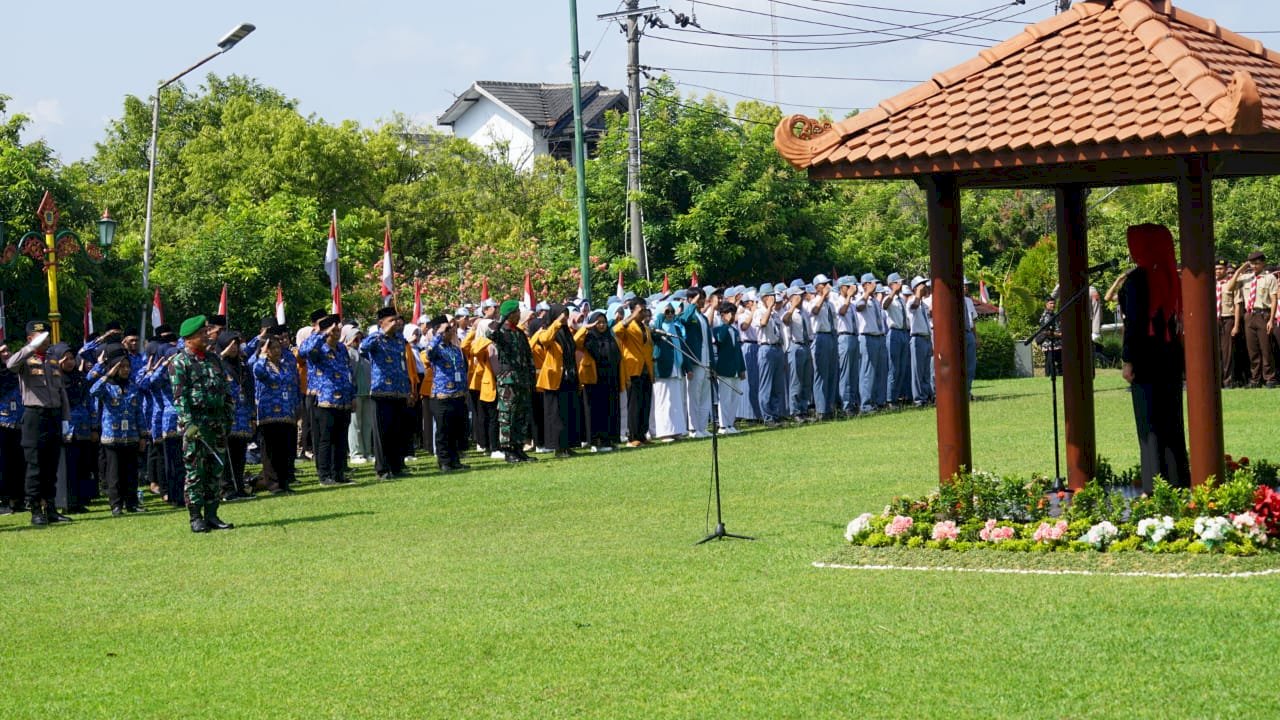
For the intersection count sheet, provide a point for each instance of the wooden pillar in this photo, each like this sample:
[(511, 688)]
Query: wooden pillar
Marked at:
[(1199, 318), (1077, 337), (955, 451)]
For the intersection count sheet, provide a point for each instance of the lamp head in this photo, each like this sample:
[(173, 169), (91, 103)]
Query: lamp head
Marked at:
[(106, 229), (239, 33)]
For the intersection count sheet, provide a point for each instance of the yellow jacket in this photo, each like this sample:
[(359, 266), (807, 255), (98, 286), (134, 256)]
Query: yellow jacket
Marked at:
[(551, 367), (586, 363), (479, 374), (636, 344)]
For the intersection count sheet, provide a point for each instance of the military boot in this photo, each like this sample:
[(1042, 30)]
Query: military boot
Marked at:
[(197, 521), (213, 522)]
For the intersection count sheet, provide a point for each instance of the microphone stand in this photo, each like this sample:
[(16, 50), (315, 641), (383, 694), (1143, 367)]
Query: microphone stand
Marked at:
[(683, 349), (1047, 327)]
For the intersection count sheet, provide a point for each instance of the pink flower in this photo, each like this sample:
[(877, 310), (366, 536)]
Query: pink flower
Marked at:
[(945, 530), (991, 533), (898, 526), (1047, 533)]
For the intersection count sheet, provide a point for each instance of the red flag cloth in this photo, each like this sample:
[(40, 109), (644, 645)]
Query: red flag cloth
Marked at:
[(529, 300), (279, 304), (666, 284), (693, 281), (620, 291), (222, 301), (88, 314), (484, 289), (1151, 247), (417, 301), (387, 276), (157, 311), (331, 266), (982, 292)]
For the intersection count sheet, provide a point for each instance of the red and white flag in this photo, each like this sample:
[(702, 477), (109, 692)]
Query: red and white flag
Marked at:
[(331, 266), (982, 292), (693, 281), (222, 301), (279, 304), (387, 276), (484, 289), (417, 301), (88, 313), (666, 283), (529, 300), (4, 329), (620, 291), (157, 311)]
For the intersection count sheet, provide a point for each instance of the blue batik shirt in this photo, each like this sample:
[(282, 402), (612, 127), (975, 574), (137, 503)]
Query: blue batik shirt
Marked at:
[(121, 404), (163, 422), (276, 391), (388, 375), (243, 413), (10, 401), (330, 369), (84, 408), (448, 366)]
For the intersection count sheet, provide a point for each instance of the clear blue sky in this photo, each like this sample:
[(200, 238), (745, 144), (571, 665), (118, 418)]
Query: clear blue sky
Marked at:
[(364, 61)]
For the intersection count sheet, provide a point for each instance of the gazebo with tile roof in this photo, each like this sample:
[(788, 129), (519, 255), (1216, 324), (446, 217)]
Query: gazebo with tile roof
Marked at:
[(1107, 93)]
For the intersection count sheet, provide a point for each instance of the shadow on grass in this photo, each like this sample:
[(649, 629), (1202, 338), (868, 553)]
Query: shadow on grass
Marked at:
[(282, 522)]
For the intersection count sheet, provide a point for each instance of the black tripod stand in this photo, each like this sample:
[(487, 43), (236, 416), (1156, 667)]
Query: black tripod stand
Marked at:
[(1049, 331), (683, 349)]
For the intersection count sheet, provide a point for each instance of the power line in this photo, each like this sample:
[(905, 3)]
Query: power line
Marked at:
[(913, 12), (586, 63), (968, 20), (758, 99), (802, 77), (703, 109)]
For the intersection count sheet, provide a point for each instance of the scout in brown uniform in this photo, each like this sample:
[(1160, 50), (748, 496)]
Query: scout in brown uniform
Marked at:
[(1256, 296), (1230, 322), (46, 409)]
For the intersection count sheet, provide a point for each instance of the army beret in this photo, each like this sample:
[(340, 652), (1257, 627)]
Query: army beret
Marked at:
[(192, 325)]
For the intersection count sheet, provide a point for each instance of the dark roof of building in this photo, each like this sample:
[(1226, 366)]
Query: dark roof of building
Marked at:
[(547, 106)]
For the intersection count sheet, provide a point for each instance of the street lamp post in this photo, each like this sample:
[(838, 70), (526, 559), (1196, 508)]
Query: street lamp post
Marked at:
[(227, 42), (55, 246)]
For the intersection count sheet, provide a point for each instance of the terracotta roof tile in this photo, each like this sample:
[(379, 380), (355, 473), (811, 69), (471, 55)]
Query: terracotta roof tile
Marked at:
[(1099, 73)]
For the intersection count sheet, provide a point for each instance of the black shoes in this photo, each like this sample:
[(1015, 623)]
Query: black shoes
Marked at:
[(284, 491), (116, 511), (215, 523), (135, 509), (38, 518), (198, 525), (328, 481), (56, 517), (512, 458)]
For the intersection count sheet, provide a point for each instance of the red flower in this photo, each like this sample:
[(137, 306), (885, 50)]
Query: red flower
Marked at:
[(1266, 505)]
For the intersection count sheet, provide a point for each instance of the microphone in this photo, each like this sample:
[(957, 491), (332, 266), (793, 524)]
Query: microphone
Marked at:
[(663, 333), (1100, 267)]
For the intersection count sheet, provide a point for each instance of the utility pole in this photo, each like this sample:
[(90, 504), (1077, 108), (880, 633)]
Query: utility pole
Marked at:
[(777, 63), (1064, 5), (579, 154), (633, 13)]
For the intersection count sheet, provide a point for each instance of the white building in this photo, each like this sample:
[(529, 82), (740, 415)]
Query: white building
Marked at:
[(525, 120)]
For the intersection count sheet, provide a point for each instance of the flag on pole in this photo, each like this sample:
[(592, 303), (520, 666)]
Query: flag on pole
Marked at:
[(620, 291), (88, 313), (331, 266), (529, 301), (666, 283), (387, 276), (582, 292), (4, 329), (279, 304), (982, 291), (484, 289), (222, 302), (417, 300), (693, 280), (157, 311)]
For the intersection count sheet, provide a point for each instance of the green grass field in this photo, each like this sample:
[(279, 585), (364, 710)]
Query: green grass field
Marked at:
[(573, 589)]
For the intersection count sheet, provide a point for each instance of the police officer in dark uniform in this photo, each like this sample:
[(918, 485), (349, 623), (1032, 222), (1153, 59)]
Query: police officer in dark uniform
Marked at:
[(46, 408)]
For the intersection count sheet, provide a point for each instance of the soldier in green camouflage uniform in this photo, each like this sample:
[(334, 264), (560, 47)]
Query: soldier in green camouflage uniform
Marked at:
[(512, 362), (204, 404)]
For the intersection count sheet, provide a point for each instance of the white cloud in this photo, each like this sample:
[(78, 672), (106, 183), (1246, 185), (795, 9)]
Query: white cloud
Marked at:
[(45, 112)]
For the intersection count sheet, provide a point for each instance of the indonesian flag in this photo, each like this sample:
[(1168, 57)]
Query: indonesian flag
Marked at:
[(666, 283), (4, 329), (620, 290), (417, 301), (157, 311), (387, 276), (982, 292), (693, 281), (484, 289), (88, 313), (279, 304), (529, 299), (331, 266), (222, 302)]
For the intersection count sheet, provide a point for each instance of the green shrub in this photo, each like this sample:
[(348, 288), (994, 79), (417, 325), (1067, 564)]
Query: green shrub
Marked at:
[(995, 351)]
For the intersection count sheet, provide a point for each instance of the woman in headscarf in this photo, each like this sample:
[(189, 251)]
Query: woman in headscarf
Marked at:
[(1151, 300), (558, 382), (244, 418), (670, 419), (484, 389), (277, 399), (601, 371)]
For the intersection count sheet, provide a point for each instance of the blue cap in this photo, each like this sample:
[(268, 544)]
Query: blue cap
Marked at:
[(917, 280), (810, 289), (793, 291), (869, 278), (708, 290), (680, 294), (893, 278), (797, 283), (628, 295), (614, 307), (821, 279), (906, 291), (732, 292), (611, 300), (766, 289), (543, 305), (880, 289), (846, 281)]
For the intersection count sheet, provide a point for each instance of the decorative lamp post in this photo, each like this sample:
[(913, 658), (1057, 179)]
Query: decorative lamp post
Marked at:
[(55, 246)]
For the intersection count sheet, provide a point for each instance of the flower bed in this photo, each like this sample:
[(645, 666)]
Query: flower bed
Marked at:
[(981, 511)]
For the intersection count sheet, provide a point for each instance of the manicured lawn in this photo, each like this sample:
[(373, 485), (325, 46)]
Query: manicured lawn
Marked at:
[(573, 589)]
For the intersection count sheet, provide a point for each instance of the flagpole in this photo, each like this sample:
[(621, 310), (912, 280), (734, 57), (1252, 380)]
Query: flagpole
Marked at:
[(579, 154)]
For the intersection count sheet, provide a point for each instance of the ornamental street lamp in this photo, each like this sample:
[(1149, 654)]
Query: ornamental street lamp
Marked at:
[(55, 246), (227, 42)]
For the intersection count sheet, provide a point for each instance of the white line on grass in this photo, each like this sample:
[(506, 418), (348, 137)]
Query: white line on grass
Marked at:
[(1021, 571)]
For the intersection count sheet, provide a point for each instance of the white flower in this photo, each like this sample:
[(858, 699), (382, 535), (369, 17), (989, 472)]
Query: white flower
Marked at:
[(1212, 529), (1155, 529), (1247, 524), (857, 526), (1101, 534)]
